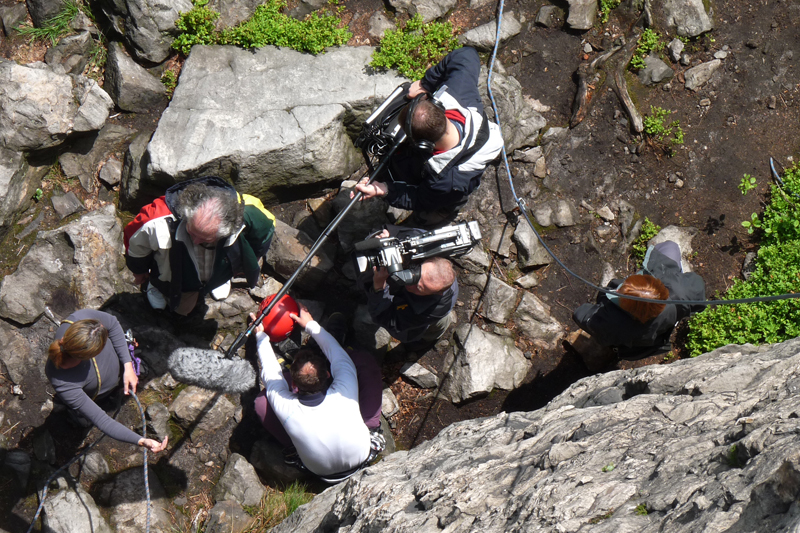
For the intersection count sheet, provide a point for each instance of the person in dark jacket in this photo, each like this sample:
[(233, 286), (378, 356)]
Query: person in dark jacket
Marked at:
[(452, 141), (418, 312), (194, 239), (83, 366), (635, 328)]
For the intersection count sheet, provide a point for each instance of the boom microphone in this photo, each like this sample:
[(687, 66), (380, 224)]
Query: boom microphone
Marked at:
[(211, 370)]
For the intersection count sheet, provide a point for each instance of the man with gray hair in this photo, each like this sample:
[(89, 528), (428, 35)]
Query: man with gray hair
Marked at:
[(193, 240)]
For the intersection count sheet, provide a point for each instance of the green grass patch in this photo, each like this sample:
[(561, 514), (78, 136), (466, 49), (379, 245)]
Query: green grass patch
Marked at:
[(605, 9), (414, 47), (776, 272), (639, 246), (641, 509), (58, 26), (267, 26), (170, 81), (276, 506), (649, 41)]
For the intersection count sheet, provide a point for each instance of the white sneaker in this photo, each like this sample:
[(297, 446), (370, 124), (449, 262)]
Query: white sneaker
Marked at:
[(222, 292), (156, 299)]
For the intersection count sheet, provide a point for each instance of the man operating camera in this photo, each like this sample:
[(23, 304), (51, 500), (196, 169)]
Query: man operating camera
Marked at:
[(418, 312)]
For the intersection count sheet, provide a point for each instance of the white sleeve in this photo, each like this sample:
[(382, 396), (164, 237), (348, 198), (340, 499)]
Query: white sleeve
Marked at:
[(277, 390), (152, 236), (345, 378)]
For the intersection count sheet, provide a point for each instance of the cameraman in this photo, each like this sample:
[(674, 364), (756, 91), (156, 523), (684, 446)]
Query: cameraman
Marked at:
[(419, 312), (435, 180)]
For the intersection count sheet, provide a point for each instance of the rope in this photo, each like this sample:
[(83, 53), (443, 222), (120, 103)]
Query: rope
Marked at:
[(82, 452), (523, 209)]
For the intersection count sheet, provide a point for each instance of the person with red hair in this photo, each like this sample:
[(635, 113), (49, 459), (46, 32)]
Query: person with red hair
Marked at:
[(637, 329)]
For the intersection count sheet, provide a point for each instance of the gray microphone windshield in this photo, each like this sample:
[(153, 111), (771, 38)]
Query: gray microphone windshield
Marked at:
[(211, 370)]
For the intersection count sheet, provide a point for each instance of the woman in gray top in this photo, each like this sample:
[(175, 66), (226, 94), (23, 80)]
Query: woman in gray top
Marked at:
[(83, 365)]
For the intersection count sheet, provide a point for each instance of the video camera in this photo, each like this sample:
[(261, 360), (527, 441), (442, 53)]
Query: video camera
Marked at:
[(403, 257)]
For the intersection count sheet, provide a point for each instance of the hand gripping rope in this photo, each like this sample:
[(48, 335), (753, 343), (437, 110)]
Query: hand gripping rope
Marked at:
[(523, 209), (83, 452)]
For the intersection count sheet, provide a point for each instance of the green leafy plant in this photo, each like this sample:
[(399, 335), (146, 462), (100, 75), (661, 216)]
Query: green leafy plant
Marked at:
[(659, 132), (170, 81), (37, 195), (56, 27), (649, 41), (775, 273), (639, 246), (276, 506), (266, 26), (608, 468), (606, 7), (641, 509), (414, 47), (747, 184)]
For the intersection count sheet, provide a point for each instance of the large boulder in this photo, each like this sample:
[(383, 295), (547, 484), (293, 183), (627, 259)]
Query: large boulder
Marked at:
[(128, 502), (73, 511), (201, 410), (239, 482), (704, 444), (272, 120), (481, 363), (484, 36), (39, 108), (148, 26), (688, 17), (82, 259)]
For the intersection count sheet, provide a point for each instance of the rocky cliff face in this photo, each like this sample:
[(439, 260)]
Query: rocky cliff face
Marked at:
[(709, 444)]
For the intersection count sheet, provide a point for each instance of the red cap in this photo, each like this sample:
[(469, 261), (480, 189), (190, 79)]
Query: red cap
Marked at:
[(278, 324)]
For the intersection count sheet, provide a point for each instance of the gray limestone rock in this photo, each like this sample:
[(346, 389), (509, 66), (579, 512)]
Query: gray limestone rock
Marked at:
[(500, 239), (675, 48), (232, 12), (157, 416), (378, 24), (71, 54), (85, 155), (564, 214), (93, 465), (500, 299), (148, 26), (372, 337), (203, 410), (227, 517), (43, 10), (682, 236), (18, 181), (476, 260), (484, 36), (530, 155), (534, 321), (239, 114), (419, 375), (66, 205), (232, 311), (389, 404), (549, 16), (554, 135), (428, 9), (84, 258), (288, 249), (654, 71), (131, 86), (511, 102), (12, 16), (239, 482), (73, 510), (39, 108), (582, 14), (698, 76), (543, 213), (305, 7), (267, 458), (703, 444), (111, 172), (129, 505), (135, 193), (482, 362), (688, 17), (530, 251), (528, 281)]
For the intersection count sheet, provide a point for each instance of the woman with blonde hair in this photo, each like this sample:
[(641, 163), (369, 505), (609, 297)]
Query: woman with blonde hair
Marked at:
[(83, 366), (637, 329)]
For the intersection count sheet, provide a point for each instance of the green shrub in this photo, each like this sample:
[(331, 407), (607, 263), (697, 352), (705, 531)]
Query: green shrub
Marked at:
[(606, 7), (649, 41), (170, 81), (414, 47), (58, 26), (267, 26), (639, 246), (776, 273)]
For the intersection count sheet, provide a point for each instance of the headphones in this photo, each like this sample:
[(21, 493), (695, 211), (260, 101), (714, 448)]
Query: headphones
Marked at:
[(423, 145)]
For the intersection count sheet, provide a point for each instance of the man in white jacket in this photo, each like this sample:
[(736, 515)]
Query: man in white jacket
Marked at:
[(326, 412)]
